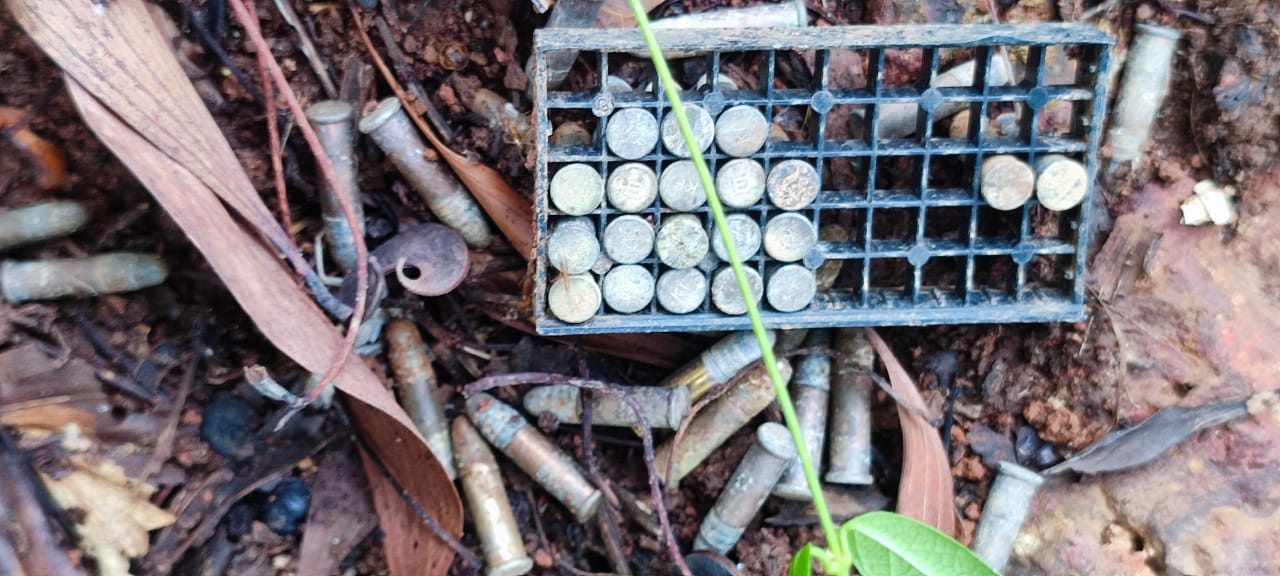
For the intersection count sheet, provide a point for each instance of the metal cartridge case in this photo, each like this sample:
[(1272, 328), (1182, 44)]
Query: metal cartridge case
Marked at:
[(576, 189), (632, 187), (628, 288), (390, 128), (727, 297), (37, 222), (680, 187), (572, 247), (1061, 182), (571, 134), (704, 130), (410, 361), (718, 421), (740, 182), (747, 489), (741, 130), (790, 288), (628, 239), (789, 237), (898, 119), (719, 363), (534, 453), (746, 237), (663, 407), (809, 390), (332, 120), (682, 291), (849, 435), (631, 133), (1003, 514), (793, 184), (790, 14), (486, 493), (1147, 70), (79, 277), (1007, 182), (681, 242), (574, 298)]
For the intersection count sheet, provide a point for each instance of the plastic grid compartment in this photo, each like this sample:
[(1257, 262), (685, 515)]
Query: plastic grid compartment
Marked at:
[(917, 253)]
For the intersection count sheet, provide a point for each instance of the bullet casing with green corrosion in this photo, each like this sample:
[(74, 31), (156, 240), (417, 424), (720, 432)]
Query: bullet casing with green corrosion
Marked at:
[(662, 407), (486, 494), (810, 388), (715, 424), (718, 364), (78, 277), (849, 433), (534, 453), (42, 221), (410, 361), (747, 489)]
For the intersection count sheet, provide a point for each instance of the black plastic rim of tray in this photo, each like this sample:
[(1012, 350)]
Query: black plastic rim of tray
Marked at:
[(1018, 300)]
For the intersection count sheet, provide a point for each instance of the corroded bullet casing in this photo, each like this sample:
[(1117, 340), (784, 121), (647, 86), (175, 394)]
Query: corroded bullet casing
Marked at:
[(662, 407), (573, 247), (1003, 514), (711, 427), (1007, 182), (747, 489), (681, 291), (726, 295), (37, 222), (576, 189), (681, 242), (390, 128), (628, 288), (1061, 183), (332, 120), (1147, 70), (810, 388), (574, 298), (571, 134), (746, 236), (849, 434), (718, 364), (790, 288), (410, 361), (534, 453), (789, 237), (78, 277), (486, 494)]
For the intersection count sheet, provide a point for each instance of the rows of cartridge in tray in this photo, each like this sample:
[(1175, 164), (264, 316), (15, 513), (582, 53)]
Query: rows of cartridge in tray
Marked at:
[(648, 238)]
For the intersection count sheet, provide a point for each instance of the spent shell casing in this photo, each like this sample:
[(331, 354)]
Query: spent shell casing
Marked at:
[(632, 187), (534, 453), (574, 298), (741, 130), (793, 184), (899, 119), (681, 242), (719, 363), (1061, 182), (486, 494), (572, 247), (628, 239), (390, 128), (715, 424), (746, 237), (704, 130), (747, 489), (410, 361), (680, 187), (789, 237), (576, 189), (628, 288), (43, 221), (662, 407), (682, 291), (726, 296), (1007, 182), (740, 183), (849, 433), (810, 389), (790, 288), (1148, 68), (79, 277), (789, 14), (571, 134), (631, 133), (1003, 514), (333, 120)]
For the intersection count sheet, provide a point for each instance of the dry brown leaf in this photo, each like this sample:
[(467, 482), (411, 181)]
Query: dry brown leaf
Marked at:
[(133, 94), (115, 513), (926, 491), (340, 515)]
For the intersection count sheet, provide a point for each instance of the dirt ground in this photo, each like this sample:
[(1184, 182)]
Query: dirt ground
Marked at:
[(147, 387)]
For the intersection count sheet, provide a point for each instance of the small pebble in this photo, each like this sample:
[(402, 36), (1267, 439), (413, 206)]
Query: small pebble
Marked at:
[(288, 506), (1026, 444), (227, 428)]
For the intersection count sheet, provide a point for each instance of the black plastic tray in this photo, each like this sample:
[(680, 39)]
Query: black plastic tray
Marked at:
[(924, 247)]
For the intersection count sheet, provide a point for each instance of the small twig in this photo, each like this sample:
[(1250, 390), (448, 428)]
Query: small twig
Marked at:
[(436, 529), (340, 191), (402, 68), (224, 59), (646, 436), (273, 135), (164, 442), (308, 47)]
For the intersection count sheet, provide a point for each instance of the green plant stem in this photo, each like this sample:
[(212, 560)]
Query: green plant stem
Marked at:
[(839, 556)]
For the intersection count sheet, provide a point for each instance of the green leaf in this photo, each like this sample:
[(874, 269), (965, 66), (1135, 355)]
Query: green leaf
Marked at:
[(801, 565), (888, 544)]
